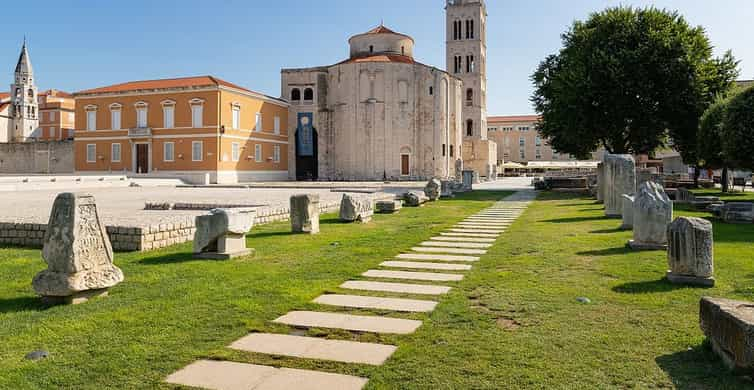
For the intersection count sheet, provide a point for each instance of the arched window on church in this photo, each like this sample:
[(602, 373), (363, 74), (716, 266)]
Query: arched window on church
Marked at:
[(295, 95), (308, 94), (371, 49), (469, 97), (469, 128), (30, 93)]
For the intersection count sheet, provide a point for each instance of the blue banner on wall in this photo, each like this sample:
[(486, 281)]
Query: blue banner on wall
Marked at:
[(305, 139)]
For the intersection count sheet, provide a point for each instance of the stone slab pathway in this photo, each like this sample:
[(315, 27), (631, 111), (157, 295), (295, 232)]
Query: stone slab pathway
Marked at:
[(426, 265), (315, 348), (469, 230), (489, 229), (419, 256), (220, 375), (402, 288), (472, 235), (364, 302), (408, 275), (462, 239), (315, 319), (486, 225), (469, 245), (449, 250)]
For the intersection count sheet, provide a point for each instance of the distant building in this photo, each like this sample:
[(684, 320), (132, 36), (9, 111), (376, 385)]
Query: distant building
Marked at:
[(20, 111), (745, 83), (56, 115), (201, 129), (519, 141)]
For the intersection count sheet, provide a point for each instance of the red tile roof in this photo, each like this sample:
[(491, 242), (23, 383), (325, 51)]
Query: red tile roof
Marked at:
[(183, 82), (4, 95), (513, 118), (56, 92), (394, 58)]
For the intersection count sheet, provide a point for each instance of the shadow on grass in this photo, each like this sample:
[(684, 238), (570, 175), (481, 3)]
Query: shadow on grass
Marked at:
[(22, 304), (605, 252), (576, 219), (171, 258), (608, 231), (269, 234), (699, 368), (650, 286)]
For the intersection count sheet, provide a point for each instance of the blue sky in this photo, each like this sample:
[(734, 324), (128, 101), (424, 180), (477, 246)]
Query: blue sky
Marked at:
[(80, 44)]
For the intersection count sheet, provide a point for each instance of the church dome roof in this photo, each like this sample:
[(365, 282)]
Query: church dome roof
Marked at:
[(381, 41)]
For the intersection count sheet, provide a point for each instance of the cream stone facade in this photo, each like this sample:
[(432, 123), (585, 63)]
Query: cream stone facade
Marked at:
[(379, 115)]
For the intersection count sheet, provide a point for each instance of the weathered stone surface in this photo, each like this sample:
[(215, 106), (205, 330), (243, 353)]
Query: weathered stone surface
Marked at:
[(690, 255), (380, 303), (619, 178), (353, 209), (389, 206), (729, 327), (222, 233), (402, 288), (77, 250), (628, 212), (653, 211), (601, 182), (643, 175), (446, 189), (414, 199), (313, 319), (304, 213), (468, 180), (432, 189), (683, 195), (738, 212)]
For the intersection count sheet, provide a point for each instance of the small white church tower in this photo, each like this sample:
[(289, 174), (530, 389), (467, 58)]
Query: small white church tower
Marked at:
[(24, 108)]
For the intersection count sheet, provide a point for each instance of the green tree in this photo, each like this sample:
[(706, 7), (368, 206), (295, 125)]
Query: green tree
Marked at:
[(627, 79), (710, 152), (738, 130)]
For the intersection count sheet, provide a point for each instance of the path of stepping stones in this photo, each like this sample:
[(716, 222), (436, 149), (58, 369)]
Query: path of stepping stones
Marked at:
[(454, 250)]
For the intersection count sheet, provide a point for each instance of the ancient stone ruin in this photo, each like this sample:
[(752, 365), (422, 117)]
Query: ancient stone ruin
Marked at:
[(354, 209), (729, 327), (304, 213), (77, 251), (432, 189), (468, 180), (690, 255), (653, 211), (628, 212), (221, 235), (620, 178), (601, 182), (446, 189), (737, 212), (388, 206), (414, 199)]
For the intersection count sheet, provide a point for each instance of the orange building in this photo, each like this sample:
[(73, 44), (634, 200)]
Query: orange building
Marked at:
[(56, 115), (202, 129)]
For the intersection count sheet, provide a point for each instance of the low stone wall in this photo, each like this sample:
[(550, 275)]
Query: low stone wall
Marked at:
[(37, 157)]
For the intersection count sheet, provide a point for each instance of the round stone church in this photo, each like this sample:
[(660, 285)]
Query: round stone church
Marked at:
[(378, 115)]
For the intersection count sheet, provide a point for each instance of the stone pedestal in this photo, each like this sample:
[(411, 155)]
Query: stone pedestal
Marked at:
[(354, 209), (619, 178), (628, 212), (729, 327), (77, 251), (221, 235), (468, 180), (653, 211), (690, 254), (388, 206), (432, 189), (304, 213)]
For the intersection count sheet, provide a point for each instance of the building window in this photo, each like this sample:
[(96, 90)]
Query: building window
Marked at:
[(371, 48), (443, 150), (91, 119), (235, 151), (52, 132), (507, 129), (91, 153), (451, 150), (538, 141), (258, 153), (457, 30), (115, 117), (168, 151), (197, 152), (469, 128), (470, 29), (403, 50), (457, 64), (522, 154), (469, 64), (491, 129), (258, 125), (538, 154), (197, 113), (236, 116), (469, 97), (521, 141), (141, 114), (308, 94), (431, 90), (523, 128), (276, 153), (115, 152), (555, 156), (52, 116), (296, 94), (277, 125)]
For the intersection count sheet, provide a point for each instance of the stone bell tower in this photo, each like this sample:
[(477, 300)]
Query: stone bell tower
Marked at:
[(466, 56), (24, 108)]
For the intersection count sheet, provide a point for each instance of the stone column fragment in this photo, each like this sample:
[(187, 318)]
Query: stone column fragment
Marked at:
[(653, 211), (304, 213), (690, 254), (620, 178)]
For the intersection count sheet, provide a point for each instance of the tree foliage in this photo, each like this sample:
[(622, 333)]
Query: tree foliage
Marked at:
[(738, 130), (626, 79), (710, 135)]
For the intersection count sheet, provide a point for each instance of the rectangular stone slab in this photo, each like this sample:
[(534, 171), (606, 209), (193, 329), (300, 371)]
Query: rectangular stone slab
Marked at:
[(472, 235), (491, 229), (427, 276), (315, 348), (490, 225), (426, 265), (449, 250), (221, 375), (402, 288), (419, 256), (315, 319), (462, 239), (469, 230), (470, 245), (729, 327), (364, 302)]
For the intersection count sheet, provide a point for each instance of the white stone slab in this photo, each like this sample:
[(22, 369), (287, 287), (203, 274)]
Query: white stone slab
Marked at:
[(315, 348), (315, 319), (222, 375), (419, 256), (426, 276), (449, 250), (426, 265), (364, 302), (472, 235), (402, 288), (489, 229), (492, 225), (470, 245), (463, 239), (474, 230)]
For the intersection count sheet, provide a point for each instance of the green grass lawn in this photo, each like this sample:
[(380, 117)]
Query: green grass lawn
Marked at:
[(733, 195), (513, 322)]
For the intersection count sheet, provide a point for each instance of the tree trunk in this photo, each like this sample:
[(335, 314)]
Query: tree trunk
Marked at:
[(697, 172), (725, 180)]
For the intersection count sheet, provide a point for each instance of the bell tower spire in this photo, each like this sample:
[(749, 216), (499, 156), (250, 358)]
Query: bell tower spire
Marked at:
[(24, 109)]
